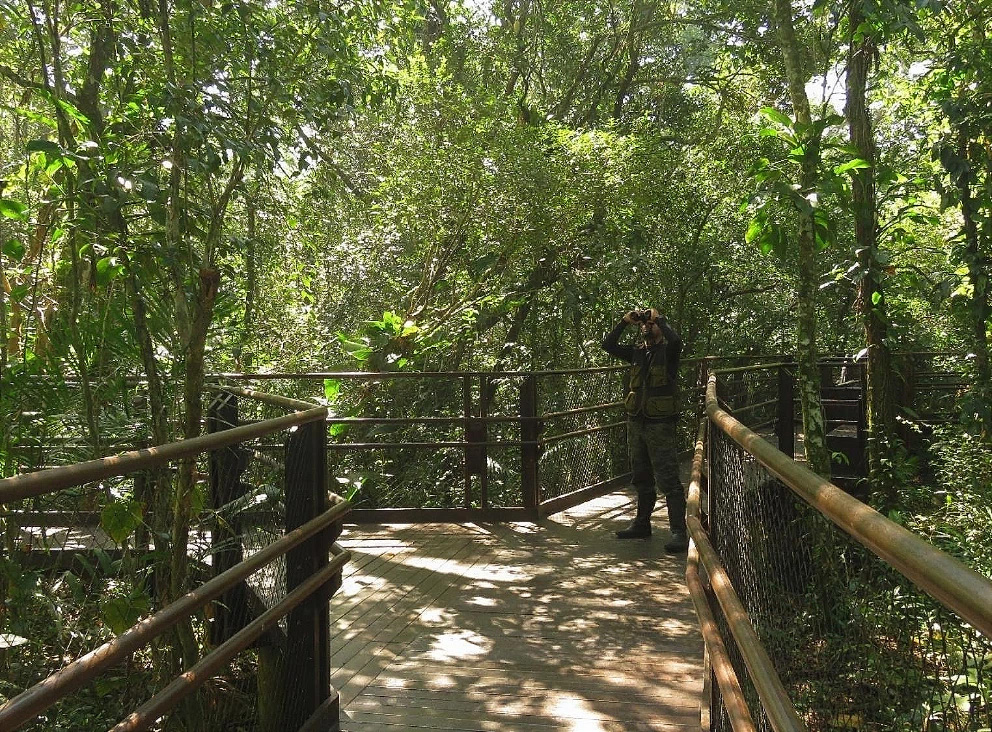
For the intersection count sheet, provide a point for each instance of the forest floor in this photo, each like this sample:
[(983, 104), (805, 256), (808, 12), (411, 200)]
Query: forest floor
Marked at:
[(523, 626)]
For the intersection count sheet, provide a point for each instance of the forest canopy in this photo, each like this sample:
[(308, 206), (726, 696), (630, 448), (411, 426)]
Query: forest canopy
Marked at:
[(194, 188), (239, 186)]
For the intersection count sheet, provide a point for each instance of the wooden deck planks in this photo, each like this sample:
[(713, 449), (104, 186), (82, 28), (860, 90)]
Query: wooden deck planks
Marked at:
[(547, 626)]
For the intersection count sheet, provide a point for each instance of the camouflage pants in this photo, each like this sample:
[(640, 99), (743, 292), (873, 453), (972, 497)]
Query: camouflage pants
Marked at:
[(654, 464)]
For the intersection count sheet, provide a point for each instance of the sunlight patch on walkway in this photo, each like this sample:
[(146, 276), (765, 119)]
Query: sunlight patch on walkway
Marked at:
[(459, 644), (487, 573)]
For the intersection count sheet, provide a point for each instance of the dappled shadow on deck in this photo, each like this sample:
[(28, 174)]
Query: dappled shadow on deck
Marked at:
[(554, 625)]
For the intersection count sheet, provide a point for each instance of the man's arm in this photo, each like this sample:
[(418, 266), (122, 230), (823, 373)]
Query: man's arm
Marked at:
[(673, 342), (611, 344)]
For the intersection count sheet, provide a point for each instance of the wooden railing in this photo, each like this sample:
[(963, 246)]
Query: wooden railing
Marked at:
[(471, 446), (302, 697), (779, 582)]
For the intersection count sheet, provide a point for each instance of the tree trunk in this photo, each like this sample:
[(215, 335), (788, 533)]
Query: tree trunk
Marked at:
[(870, 297), (978, 274), (807, 354)]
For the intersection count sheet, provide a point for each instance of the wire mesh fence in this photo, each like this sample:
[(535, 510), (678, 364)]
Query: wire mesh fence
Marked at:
[(856, 644), (82, 565), (751, 394), (583, 430), (932, 385), (459, 440)]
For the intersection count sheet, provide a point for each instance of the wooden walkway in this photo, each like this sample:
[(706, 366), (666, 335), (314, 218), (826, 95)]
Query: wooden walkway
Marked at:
[(547, 626)]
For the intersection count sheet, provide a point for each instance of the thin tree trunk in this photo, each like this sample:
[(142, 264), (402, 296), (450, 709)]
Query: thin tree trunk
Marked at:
[(870, 297), (978, 274), (807, 353)]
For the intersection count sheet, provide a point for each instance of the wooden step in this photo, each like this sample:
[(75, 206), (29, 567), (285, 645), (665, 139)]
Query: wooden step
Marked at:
[(845, 393)]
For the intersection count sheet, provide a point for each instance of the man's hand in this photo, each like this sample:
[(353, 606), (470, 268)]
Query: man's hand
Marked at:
[(633, 316)]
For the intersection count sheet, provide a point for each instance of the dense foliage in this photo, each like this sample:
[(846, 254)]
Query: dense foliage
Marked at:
[(433, 185)]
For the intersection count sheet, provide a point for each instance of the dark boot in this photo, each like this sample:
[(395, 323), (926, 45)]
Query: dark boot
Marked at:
[(678, 544), (640, 527)]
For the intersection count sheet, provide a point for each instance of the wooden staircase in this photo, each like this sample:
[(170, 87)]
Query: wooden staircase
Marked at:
[(844, 410)]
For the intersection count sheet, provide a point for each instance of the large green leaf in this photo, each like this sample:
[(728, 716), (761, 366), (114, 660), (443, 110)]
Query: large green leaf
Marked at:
[(13, 249), (120, 613), (120, 518), (754, 229), (51, 149), (776, 116), (13, 209), (856, 164)]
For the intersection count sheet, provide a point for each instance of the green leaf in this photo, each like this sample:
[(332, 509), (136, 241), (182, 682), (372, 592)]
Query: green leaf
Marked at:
[(51, 149), (158, 213), (776, 116), (332, 389), (74, 112), (876, 298), (13, 249), (54, 166), (149, 190), (120, 613), (754, 229), (480, 265), (349, 345), (107, 269), (198, 499), (120, 518), (13, 209), (856, 164), (391, 322)]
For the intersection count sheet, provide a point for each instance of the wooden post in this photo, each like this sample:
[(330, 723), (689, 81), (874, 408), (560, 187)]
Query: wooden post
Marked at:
[(702, 376), (484, 393), (530, 430), (785, 424), (226, 467), (476, 453), (307, 693), (712, 485)]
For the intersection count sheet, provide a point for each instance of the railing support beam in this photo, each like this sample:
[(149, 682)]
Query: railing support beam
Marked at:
[(307, 689), (785, 425), (530, 454)]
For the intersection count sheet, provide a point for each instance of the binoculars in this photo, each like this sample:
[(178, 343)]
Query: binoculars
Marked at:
[(642, 316)]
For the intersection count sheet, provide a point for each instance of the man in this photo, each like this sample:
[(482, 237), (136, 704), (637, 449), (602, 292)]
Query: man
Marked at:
[(652, 413)]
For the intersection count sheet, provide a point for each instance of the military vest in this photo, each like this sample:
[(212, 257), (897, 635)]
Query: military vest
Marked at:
[(652, 394)]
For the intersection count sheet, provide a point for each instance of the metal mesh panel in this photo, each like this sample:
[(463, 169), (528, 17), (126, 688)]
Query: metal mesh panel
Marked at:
[(83, 564), (68, 585), (857, 646), (932, 384), (586, 406), (751, 395), (582, 461), (500, 401), (393, 476), (390, 471)]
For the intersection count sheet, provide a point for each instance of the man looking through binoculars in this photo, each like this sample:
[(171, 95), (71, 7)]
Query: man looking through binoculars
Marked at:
[(651, 403)]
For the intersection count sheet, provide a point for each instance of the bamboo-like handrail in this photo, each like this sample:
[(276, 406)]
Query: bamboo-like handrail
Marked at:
[(726, 678), (956, 586), (191, 679), (39, 483), (774, 699), (260, 396), (33, 701)]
